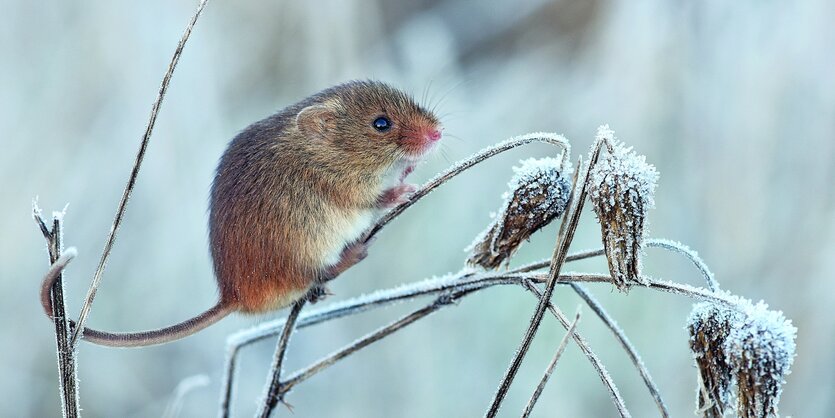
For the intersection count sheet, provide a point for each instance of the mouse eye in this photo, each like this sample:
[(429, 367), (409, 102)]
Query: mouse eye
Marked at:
[(382, 124)]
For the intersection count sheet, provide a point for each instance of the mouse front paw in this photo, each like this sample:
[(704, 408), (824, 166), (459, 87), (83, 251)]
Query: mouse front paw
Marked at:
[(318, 293), (396, 195)]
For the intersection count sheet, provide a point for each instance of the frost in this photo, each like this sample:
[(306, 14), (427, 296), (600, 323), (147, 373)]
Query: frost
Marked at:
[(621, 188), (747, 345), (538, 193)]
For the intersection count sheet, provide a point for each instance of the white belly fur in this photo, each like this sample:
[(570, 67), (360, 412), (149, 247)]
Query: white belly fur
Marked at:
[(345, 228)]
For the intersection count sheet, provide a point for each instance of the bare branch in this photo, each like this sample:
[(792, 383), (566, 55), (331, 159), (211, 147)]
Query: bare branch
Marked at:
[(67, 367), (120, 212), (665, 244), (584, 347), (308, 372), (566, 234), (274, 393), (624, 342), (550, 369)]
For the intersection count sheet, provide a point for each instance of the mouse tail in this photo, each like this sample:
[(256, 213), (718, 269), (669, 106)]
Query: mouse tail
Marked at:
[(132, 339)]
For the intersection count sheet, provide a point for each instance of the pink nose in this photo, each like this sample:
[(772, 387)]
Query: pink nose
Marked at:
[(433, 134)]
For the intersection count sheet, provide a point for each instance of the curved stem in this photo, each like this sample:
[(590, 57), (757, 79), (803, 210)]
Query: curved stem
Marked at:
[(665, 244), (462, 166)]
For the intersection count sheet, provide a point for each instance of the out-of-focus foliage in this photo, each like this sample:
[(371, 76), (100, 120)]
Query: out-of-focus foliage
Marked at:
[(734, 102)]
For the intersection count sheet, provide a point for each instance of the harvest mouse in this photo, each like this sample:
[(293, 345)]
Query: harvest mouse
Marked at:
[(293, 194)]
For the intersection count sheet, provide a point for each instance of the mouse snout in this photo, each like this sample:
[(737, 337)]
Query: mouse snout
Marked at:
[(432, 134)]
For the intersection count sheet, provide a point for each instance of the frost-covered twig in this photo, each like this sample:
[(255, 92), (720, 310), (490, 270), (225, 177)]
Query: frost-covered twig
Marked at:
[(467, 280), (274, 393), (584, 347), (67, 367), (564, 238), (308, 372), (624, 342), (665, 244), (462, 166), (120, 212), (458, 282), (550, 369)]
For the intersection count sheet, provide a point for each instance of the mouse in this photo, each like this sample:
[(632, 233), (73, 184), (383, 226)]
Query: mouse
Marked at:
[(292, 197)]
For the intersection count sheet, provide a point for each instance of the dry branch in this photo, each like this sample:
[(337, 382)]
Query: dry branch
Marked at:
[(67, 367), (550, 369)]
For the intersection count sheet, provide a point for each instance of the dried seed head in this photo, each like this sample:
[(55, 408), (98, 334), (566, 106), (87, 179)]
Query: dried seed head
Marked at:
[(748, 346), (761, 349), (710, 325), (621, 187), (538, 194)]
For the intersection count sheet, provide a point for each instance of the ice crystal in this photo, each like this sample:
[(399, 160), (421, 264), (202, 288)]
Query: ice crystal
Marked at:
[(746, 345), (537, 194), (621, 187)]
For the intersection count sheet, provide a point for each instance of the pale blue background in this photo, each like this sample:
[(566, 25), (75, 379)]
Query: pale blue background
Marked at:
[(733, 101)]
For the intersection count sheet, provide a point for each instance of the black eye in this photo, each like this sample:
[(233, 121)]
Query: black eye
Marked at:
[(382, 124)]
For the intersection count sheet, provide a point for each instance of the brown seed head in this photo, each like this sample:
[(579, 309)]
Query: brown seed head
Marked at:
[(621, 189), (538, 194)]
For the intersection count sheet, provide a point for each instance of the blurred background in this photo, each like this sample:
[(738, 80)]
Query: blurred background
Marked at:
[(733, 101)]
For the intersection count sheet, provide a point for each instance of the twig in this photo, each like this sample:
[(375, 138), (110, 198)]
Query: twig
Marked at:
[(274, 393), (624, 342), (120, 212), (67, 377), (584, 347), (566, 235), (548, 371), (460, 281), (665, 244), (463, 166), (308, 372), (463, 281)]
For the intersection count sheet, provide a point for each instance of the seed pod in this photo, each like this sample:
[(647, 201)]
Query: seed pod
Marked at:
[(710, 325), (538, 194), (621, 189), (761, 350)]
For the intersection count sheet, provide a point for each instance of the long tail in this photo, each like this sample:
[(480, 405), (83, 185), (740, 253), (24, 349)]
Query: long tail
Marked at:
[(131, 339)]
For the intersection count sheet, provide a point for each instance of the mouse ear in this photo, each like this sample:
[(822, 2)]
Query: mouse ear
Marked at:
[(316, 120)]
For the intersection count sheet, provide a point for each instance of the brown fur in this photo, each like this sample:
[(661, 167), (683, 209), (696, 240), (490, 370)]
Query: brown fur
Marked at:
[(291, 194), (283, 190)]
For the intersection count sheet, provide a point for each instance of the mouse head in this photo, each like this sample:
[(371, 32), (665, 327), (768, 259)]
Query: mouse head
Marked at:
[(370, 123)]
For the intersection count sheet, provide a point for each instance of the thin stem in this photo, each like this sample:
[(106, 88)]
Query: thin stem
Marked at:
[(665, 244), (274, 388), (566, 235), (584, 347), (120, 212), (625, 343), (462, 281), (310, 371), (228, 382), (67, 377), (464, 165), (550, 369)]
